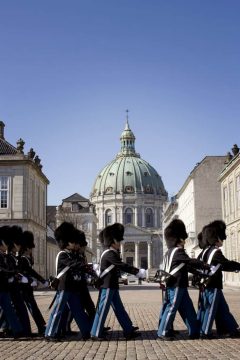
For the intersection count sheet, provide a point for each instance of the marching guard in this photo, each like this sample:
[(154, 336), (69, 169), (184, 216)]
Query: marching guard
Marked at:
[(26, 269), (176, 265), (67, 237), (214, 303), (110, 265), (9, 315)]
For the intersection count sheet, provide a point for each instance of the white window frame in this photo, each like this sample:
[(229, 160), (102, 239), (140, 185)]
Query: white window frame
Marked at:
[(225, 200), (231, 198), (238, 191), (108, 217), (4, 190)]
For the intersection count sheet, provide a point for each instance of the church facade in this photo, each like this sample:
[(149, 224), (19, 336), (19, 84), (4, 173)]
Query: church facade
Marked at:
[(130, 191)]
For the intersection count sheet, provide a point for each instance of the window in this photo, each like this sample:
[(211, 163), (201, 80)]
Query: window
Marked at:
[(4, 191), (238, 191), (128, 216), (129, 260), (231, 197), (149, 218), (148, 189), (76, 207), (108, 217), (109, 190), (129, 189), (225, 201)]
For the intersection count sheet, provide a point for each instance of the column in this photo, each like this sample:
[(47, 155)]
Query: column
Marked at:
[(114, 217), (136, 254), (103, 219), (149, 255), (136, 216), (155, 218), (143, 217), (121, 214)]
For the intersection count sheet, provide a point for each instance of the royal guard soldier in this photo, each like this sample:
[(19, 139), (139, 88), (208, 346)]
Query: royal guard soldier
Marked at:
[(177, 264), (215, 305), (110, 264)]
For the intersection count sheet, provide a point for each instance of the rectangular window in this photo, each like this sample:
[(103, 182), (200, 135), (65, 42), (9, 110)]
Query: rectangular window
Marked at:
[(129, 260), (4, 191), (225, 201), (148, 219), (128, 218), (238, 191), (231, 198), (109, 219), (75, 207)]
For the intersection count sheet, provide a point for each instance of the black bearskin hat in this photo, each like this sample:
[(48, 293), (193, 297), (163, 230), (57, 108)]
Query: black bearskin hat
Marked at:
[(111, 234), (202, 243), (4, 234), (100, 237), (174, 233), (15, 236), (214, 231), (79, 238), (27, 240), (64, 234), (221, 228)]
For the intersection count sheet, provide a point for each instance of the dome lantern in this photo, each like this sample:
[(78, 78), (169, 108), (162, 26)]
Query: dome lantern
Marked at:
[(127, 141)]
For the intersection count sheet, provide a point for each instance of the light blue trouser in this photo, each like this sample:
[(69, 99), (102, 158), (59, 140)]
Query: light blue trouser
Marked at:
[(178, 299), (107, 298), (214, 303), (201, 306), (71, 299), (9, 313)]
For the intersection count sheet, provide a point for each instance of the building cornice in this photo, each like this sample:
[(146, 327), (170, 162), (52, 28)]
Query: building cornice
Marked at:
[(193, 172), (18, 160), (229, 167)]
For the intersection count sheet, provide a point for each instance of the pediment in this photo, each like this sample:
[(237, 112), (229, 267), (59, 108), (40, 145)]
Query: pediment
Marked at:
[(136, 232)]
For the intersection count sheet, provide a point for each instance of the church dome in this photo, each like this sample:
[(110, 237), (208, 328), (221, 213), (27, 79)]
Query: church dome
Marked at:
[(128, 173)]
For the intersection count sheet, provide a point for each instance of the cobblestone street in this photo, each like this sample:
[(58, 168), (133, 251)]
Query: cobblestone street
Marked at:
[(143, 304)]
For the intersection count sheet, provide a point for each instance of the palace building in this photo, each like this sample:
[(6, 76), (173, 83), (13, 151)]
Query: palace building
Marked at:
[(23, 194)]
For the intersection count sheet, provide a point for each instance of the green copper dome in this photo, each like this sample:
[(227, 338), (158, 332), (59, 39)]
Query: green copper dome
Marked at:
[(128, 173)]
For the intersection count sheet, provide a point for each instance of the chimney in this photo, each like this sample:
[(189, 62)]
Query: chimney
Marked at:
[(2, 125)]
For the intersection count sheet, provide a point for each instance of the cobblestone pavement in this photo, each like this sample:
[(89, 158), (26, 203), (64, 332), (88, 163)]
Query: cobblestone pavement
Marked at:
[(143, 304)]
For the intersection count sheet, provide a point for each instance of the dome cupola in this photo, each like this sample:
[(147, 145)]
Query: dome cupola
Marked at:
[(128, 173)]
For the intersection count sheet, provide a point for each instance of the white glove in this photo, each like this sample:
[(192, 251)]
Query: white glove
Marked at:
[(24, 280), (213, 269), (141, 274), (34, 283), (96, 269), (46, 284), (11, 279)]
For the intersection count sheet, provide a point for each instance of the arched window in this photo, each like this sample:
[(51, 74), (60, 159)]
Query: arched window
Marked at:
[(108, 217), (128, 216), (149, 217)]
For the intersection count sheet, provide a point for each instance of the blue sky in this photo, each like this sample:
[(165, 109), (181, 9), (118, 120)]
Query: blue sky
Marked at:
[(70, 69)]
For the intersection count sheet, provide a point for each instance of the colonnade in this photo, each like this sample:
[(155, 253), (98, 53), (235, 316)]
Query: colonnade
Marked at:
[(136, 252)]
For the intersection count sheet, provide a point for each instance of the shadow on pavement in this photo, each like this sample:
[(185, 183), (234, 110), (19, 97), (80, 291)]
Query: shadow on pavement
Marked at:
[(139, 287)]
